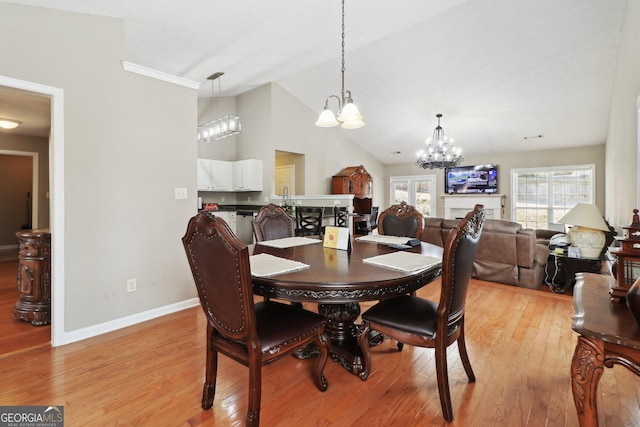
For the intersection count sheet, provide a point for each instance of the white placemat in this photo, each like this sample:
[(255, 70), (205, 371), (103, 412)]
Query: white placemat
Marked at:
[(289, 242), (263, 265), (381, 238), (403, 261)]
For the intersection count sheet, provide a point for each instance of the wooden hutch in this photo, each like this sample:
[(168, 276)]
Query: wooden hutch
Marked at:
[(626, 267), (357, 181)]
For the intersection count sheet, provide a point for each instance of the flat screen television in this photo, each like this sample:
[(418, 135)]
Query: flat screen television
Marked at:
[(471, 179)]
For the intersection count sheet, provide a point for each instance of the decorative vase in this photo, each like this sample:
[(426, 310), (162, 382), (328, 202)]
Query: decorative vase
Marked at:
[(633, 300)]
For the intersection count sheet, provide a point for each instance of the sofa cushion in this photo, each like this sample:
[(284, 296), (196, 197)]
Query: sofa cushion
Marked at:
[(495, 271)]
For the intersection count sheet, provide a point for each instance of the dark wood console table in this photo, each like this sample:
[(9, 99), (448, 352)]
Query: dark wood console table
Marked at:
[(609, 335), (560, 271), (34, 277), (338, 280)]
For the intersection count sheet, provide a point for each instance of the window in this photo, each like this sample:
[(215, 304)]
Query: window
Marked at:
[(418, 191), (542, 196)]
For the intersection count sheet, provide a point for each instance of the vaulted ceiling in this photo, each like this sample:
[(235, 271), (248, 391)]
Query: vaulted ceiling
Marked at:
[(502, 72)]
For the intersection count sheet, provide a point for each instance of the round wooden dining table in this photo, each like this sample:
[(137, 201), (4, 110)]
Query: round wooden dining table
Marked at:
[(338, 280)]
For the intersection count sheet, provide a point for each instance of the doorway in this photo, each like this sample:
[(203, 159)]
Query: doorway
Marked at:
[(18, 185), (289, 172), (55, 99)]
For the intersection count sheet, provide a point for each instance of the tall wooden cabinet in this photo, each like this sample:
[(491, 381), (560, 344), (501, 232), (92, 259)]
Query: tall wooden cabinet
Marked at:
[(357, 181), (34, 277)]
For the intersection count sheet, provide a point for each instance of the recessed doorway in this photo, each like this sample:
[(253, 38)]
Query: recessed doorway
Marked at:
[(289, 173)]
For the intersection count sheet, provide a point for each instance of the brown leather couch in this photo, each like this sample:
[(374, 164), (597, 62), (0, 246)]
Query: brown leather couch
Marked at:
[(507, 253)]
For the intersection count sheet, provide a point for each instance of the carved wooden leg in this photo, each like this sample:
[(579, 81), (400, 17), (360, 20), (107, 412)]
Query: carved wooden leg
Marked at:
[(255, 385), (319, 378), (442, 375), (586, 369), (462, 349), (366, 351), (211, 373)]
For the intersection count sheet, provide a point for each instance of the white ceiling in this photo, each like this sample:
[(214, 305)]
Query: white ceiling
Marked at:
[(498, 70)]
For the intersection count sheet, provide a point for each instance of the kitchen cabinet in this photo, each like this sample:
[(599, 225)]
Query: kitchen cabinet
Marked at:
[(247, 175), (214, 175)]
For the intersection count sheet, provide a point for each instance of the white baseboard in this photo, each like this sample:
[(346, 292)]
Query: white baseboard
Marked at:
[(114, 325)]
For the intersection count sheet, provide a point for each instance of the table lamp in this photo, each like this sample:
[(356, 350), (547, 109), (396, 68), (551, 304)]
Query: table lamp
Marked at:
[(587, 233)]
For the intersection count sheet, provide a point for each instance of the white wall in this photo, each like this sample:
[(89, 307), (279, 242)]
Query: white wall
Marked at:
[(272, 119), (129, 141), (622, 188), (507, 161)]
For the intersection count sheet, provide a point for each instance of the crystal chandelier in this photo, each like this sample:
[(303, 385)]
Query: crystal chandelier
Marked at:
[(440, 152), (348, 112), (219, 128)]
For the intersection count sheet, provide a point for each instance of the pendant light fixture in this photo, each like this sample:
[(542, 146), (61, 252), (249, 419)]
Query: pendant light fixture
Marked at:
[(9, 123), (348, 113), (440, 152), (222, 127)]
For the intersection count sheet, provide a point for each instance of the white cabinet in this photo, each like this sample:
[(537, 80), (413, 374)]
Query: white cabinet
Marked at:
[(214, 175), (247, 175), (220, 175)]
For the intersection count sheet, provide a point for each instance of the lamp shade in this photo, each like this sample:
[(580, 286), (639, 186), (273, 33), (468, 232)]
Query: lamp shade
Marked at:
[(327, 119), (587, 232), (585, 215), (350, 112)]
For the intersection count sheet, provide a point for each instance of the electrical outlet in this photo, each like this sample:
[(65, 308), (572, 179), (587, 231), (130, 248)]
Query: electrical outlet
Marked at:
[(266, 199), (132, 285)]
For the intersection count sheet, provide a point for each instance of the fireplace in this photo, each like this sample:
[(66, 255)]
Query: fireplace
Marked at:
[(456, 206)]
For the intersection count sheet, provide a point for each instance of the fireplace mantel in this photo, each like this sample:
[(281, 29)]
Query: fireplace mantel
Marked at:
[(456, 206)]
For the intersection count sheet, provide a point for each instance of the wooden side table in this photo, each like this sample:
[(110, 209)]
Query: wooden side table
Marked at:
[(609, 335), (34, 277)]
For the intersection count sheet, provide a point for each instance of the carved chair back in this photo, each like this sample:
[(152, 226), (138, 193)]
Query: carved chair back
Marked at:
[(401, 220), (273, 222)]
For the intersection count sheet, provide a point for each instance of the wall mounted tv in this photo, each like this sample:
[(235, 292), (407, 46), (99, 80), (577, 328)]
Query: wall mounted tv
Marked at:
[(471, 179)]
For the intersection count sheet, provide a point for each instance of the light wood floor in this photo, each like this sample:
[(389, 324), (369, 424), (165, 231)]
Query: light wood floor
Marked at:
[(520, 343)]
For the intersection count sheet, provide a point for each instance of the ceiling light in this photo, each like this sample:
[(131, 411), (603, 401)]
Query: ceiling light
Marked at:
[(348, 112), (221, 127), (9, 124), (440, 152)]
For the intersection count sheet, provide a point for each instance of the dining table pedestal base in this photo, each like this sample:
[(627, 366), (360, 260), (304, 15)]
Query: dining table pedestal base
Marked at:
[(343, 334)]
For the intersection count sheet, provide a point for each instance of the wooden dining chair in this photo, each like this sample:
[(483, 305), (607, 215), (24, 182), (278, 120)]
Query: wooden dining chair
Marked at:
[(309, 221), (401, 220), (273, 222), (424, 323), (253, 334)]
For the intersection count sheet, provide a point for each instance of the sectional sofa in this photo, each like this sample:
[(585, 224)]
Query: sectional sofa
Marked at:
[(507, 253)]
